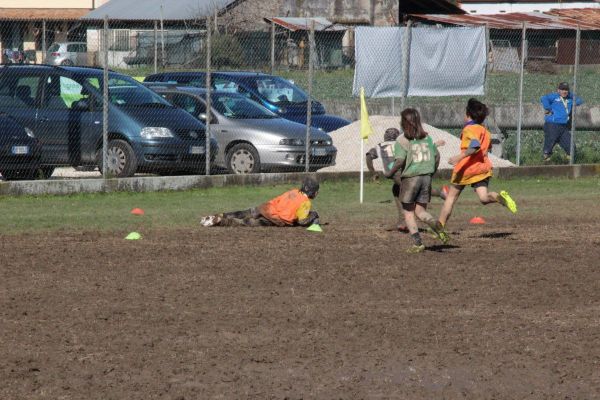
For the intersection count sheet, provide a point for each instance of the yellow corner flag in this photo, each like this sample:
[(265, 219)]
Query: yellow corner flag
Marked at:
[(365, 126)]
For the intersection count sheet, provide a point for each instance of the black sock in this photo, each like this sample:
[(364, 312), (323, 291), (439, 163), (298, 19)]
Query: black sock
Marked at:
[(417, 238)]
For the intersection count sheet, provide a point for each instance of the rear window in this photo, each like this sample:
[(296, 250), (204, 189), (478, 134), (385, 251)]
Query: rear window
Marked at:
[(54, 47), (76, 48)]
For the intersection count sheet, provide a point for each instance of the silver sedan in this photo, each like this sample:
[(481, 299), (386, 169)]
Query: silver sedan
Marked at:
[(251, 138)]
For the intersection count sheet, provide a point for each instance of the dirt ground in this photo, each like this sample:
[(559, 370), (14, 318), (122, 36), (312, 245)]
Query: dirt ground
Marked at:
[(508, 310)]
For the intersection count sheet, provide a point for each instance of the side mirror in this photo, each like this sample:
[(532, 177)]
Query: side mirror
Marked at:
[(81, 105), (202, 117)]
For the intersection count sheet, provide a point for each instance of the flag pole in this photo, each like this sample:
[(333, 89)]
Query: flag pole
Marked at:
[(365, 130), (362, 168)]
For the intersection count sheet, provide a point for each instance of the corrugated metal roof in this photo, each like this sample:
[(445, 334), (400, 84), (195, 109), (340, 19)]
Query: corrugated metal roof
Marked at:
[(303, 24), (38, 14), (154, 10), (585, 18)]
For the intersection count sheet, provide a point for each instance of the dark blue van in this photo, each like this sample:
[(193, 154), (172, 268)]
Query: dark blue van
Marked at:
[(275, 93), (63, 107)]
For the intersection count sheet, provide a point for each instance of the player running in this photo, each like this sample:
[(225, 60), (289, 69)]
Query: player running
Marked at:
[(385, 151), (472, 165), (416, 160), (292, 208)]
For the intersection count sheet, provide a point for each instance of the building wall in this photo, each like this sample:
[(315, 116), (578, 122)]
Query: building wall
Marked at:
[(374, 12), (51, 3), (249, 14), (492, 7)]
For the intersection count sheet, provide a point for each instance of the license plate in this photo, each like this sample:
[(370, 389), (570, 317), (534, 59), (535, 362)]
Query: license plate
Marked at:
[(319, 152), (197, 150), (20, 149)]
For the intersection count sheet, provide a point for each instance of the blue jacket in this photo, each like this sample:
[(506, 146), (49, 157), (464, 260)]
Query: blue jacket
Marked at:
[(558, 114)]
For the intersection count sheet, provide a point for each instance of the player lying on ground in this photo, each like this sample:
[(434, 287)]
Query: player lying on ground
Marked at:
[(472, 165), (416, 160), (292, 208), (385, 151)]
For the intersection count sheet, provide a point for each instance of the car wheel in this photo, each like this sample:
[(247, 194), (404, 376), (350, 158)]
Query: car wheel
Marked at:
[(67, 63), (243, 159), (19, 174), (121, 160)]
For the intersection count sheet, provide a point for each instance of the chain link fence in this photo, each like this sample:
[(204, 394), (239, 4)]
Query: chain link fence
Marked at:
[(207, 97)]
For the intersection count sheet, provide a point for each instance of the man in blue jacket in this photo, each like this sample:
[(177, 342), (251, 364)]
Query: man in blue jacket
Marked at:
[(558, 107)]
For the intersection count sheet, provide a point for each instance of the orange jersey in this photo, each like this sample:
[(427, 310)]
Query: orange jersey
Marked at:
[(477, 166), (287, 208)]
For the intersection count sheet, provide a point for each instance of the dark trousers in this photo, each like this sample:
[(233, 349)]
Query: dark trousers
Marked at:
[(249, 217), (557, 134)]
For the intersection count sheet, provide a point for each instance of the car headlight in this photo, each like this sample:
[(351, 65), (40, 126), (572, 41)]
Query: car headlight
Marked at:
[(151, 132), (328, 142), (291, 142), (29, 132)]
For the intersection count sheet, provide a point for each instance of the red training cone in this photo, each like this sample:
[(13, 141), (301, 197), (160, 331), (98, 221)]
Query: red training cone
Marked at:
[(477, 220), (445, 189), (137, 211)]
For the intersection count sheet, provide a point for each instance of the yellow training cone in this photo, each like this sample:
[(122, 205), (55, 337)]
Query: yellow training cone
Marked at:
[(133, 236), (314, 228)]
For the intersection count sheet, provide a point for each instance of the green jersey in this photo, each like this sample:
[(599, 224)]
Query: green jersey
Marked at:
[(419, 156)]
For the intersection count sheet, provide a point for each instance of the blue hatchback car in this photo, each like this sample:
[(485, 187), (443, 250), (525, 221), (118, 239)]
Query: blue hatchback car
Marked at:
[(275, 93), (63, 107), (19, 150)]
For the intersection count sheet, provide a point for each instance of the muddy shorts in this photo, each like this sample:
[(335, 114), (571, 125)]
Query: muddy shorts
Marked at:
[(416, 189), (483, 183)]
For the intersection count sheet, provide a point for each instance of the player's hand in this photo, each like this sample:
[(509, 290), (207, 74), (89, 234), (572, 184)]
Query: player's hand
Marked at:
[(440, 142), (454, 160)]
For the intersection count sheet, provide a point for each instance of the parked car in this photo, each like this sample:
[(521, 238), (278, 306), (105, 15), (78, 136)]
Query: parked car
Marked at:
[(67, 53), (63, 106), (19, 150), (275, 93), (251, 138)]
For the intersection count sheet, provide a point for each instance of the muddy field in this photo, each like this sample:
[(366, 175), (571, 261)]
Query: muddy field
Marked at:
[(508, 310)]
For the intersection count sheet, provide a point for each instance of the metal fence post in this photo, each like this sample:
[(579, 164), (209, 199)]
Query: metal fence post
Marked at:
[(311, 56), (272, 48), (44, 41), (405, 62), (520, 117), (162, 40), (574, 95), (486, 82), (155, 46), (105, 101), (208, 108)]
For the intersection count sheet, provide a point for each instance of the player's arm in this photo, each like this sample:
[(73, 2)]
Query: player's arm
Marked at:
[(305, 216), (370, 156), (547, 104), (399, 162), (398, 166)]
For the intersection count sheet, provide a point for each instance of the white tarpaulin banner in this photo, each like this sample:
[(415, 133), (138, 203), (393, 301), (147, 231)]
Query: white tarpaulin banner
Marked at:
[(441, 62)]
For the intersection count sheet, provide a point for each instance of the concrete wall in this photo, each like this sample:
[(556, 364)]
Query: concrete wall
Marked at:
[(153, 184), (450, 115)]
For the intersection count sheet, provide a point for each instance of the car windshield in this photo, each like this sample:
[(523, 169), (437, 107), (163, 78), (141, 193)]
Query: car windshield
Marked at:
[(279, 91), (126, 92), (239, 107)]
